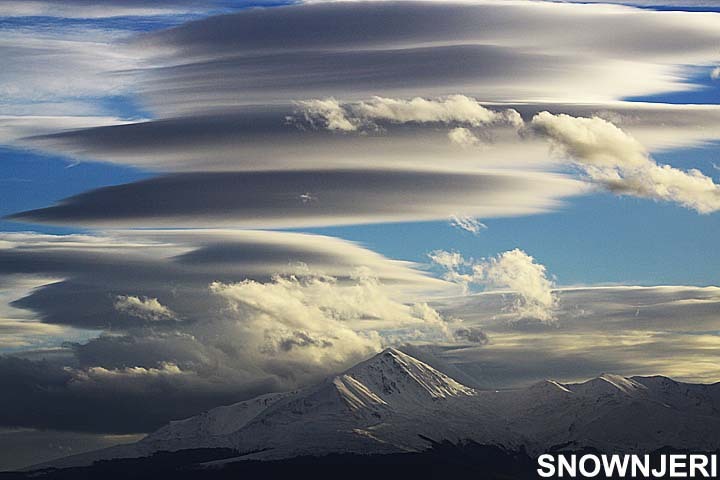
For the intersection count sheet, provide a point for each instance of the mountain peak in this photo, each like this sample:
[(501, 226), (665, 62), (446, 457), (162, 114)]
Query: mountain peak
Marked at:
[(609, 383), (550, 387), (392, 375)]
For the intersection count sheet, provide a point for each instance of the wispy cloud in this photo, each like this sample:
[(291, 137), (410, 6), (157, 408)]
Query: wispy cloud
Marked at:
[(469, 224)]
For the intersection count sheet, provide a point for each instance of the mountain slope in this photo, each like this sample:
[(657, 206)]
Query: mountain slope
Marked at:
[(393, 403)]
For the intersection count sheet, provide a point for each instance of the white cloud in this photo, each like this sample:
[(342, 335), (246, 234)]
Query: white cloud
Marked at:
[(616, 160), (14, 127), (501, 51), (84, 9), (454, 266), (519, 272), (62, 71), (715, 74), (463, 137), (317, 319), (451, 110), (96, 373), (469, 224), (629, 330), (514, 270), (454, 109), (329, 112), (143, 307)]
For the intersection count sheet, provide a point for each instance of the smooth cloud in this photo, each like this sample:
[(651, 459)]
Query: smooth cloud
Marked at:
[(627, 330), (309, 198), (616, 160), (87, 9), (263, 138), (501, 51)]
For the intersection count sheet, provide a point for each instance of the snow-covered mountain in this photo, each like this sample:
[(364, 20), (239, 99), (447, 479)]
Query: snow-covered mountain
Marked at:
[(395, 403)]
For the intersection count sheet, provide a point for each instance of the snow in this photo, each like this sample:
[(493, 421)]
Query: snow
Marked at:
[(386, 403)]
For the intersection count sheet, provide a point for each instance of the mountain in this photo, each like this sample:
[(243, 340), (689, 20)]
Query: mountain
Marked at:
[(394, 403)]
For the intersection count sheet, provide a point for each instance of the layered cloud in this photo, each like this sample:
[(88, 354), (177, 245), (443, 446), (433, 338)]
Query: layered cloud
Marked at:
[(629, 330), (274, 138), (87, 9), (678, 4), (501, 51), (310, 198), (207, 316)]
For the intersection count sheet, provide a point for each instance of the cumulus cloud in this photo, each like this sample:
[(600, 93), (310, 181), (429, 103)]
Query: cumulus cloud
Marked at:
[(519, 272), (261, 311), (453, 265), (143, 307), (329, 112), (451, 110), (715, 74), (469, 224), (514, 270), (303, 316), (616, 160), (472, 335), (463, 137)]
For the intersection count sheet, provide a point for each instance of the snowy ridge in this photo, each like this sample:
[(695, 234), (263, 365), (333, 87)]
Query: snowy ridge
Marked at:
[(392, 374), (216, 422), (392, 401), (608, 384)]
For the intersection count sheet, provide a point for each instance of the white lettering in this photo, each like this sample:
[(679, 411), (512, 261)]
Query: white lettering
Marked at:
[(677, 465), (622, 466), (569, 466), (642, 466), (617, 463), (547, 469), (583, 466), (699, 462), (660, 472)]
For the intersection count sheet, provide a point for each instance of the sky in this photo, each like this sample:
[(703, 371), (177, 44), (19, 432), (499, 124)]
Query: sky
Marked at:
[(203, 201)]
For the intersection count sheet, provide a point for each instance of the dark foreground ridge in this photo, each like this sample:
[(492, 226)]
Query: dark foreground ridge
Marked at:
[(445, 460)]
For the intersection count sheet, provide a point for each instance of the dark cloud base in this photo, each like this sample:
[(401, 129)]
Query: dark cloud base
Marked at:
[(276, 199)]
